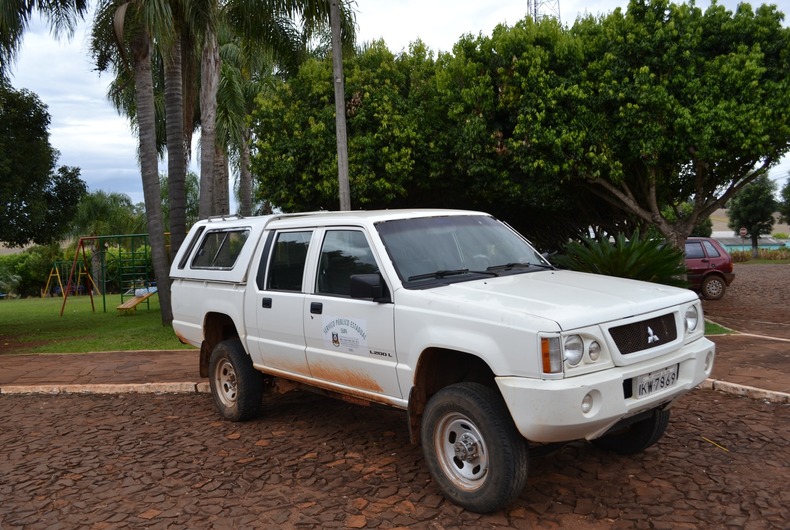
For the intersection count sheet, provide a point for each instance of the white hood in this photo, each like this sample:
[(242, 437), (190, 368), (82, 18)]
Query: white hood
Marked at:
[(571, 299)]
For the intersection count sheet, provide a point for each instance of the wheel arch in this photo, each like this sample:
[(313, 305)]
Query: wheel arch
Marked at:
[(216, 328), (438, 368)]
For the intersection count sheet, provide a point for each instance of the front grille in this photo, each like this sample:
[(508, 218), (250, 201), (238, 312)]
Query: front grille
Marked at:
[(645, 334)]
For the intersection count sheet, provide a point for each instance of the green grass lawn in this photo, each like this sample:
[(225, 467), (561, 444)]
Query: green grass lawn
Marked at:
[(34, 325), (716, 329)]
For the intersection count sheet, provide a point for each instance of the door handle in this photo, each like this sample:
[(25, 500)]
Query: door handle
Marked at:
[(266, 303), (316, 308)]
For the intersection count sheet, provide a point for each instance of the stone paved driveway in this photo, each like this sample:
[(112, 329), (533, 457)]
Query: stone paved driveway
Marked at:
[(169, 461)]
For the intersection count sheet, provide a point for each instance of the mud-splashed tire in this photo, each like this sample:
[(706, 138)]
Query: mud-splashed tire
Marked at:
[(237, 387), (472, 448)]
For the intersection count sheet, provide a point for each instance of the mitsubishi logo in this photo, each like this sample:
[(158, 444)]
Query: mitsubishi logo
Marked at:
[(651, 336)]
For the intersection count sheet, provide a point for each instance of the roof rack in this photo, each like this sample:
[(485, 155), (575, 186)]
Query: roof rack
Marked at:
[(224, 217)]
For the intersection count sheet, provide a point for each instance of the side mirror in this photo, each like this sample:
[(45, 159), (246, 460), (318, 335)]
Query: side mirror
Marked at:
[(369, 287)]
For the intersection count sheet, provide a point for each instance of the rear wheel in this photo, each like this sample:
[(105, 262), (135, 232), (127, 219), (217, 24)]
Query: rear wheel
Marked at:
[(237, 387), (636, 437), (472, 449), (713, 287)]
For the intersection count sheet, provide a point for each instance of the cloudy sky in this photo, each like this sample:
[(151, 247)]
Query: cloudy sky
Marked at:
[(89, 133)]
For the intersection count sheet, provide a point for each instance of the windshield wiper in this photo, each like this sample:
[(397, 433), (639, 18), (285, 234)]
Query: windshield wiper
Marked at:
[(519, 265), (445, 273)]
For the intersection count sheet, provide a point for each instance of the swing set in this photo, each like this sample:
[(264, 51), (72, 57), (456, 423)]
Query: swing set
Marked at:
[(134, 275)]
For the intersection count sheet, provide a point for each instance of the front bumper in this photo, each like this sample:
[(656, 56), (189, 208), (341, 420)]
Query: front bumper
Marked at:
[(551, 410)]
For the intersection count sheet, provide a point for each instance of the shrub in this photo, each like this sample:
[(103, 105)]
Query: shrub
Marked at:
[(781, 235), (646, 259), (30, 268), (742, 256)]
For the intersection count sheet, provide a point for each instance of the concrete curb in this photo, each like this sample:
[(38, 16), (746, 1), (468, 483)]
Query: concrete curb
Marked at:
[(746, 391), (204, 388), (127, 388)]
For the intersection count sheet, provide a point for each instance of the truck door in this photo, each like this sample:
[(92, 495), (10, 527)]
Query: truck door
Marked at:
[(279, 300), (350, 343)]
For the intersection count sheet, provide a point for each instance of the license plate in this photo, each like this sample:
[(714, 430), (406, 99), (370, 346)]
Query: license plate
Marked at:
[(653, 382)]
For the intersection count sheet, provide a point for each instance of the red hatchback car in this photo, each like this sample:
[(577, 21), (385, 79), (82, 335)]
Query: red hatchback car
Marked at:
[(709, 267)]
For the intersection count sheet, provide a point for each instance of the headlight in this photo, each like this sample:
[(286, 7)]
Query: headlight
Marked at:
[(692, 318), (574, 349)]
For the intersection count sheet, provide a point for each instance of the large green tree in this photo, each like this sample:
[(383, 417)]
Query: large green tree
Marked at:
[(675, 104), (616, 122), (753, 208), (37, 199), (295, 152), (423, 132)]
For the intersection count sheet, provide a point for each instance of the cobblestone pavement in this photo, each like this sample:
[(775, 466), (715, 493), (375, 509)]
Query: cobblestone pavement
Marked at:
[(169, 461), (756, 302)]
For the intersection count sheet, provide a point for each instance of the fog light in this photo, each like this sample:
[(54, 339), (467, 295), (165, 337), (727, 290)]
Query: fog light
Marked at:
[(595, 351), (587, 403), (709, 362)]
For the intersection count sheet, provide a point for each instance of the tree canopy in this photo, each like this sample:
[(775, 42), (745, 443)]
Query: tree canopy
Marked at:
[(38, 200), (617, 121)]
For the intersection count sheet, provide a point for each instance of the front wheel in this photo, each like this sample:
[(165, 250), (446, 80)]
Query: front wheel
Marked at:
[(237, 387), (472, 449), (636, 437)]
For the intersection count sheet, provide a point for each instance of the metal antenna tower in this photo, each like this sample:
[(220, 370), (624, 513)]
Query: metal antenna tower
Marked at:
[(538, 9)]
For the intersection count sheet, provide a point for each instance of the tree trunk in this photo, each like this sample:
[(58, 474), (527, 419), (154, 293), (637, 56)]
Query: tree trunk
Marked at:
[(245, 175), (344, 189), (221, 181), (146, 119), (210, 67), (176, 148)]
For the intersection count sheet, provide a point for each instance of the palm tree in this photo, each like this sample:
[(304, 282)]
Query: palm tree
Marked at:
[(132, 24), (340, 108), (272, 27), (247, 71), (15, 16), (177, 138), (102, 214)]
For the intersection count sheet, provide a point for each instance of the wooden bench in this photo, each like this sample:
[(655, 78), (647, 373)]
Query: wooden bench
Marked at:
[(129, 307)]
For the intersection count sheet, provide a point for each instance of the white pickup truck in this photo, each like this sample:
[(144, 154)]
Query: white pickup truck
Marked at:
[(449, 315)]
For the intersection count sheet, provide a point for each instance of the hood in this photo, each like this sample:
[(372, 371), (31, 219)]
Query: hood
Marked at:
[(571, 299)]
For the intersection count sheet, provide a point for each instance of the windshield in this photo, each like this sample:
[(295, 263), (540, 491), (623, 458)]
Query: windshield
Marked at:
[(430, 251)]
